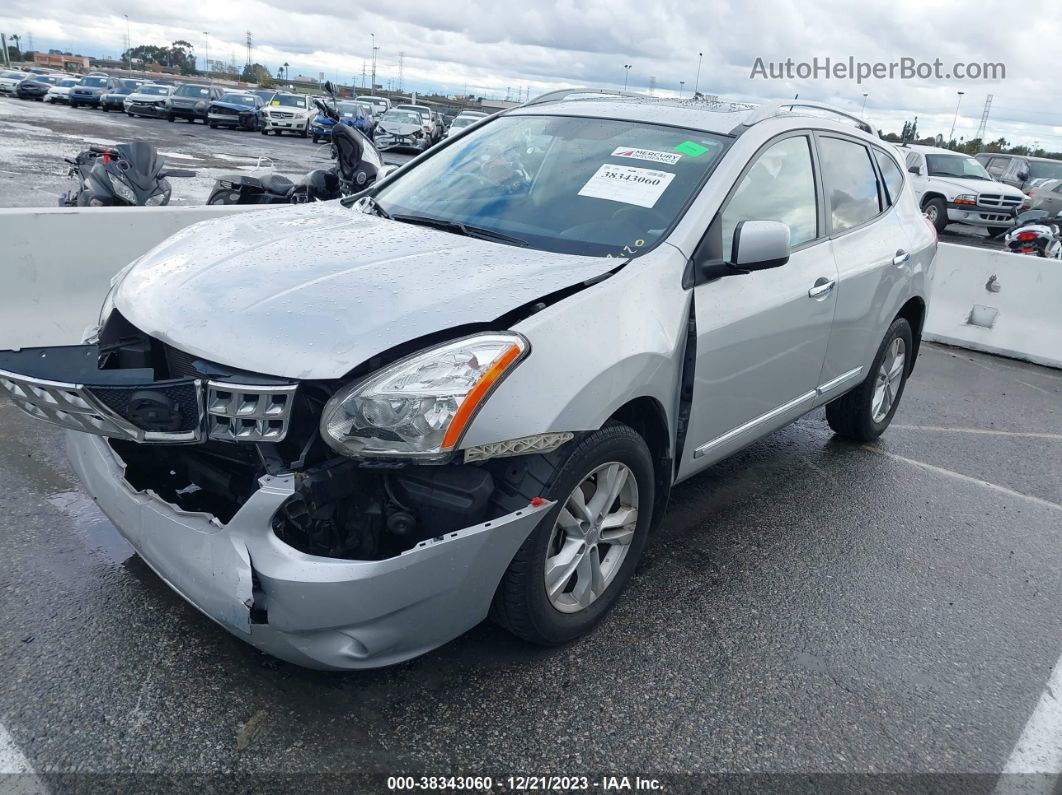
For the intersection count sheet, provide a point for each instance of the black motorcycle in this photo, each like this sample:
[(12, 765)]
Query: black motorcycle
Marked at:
[(357, 165), (126, 175)]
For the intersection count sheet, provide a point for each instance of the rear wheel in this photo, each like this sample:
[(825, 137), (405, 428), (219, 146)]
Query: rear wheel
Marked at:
[(865, 412), (571, 570), (213, 126), (265, 132), (937, 213)]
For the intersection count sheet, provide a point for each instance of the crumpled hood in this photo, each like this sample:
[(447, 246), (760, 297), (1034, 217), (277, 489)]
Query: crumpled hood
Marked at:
[(314, 290), (977, 186)]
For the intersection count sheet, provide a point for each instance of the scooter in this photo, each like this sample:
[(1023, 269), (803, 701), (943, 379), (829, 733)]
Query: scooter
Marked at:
[(357, 165), (1034, 235), (126, 175)]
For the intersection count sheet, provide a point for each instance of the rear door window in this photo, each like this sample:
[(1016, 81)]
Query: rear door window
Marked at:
[(850, 182), (892, 175)]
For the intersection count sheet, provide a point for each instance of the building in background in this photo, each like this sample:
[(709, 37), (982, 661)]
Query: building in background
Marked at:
[(68, 63)]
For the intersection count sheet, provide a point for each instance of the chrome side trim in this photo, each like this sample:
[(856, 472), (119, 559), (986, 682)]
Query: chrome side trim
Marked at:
[(822, 389), (843, 378), (704, 449)]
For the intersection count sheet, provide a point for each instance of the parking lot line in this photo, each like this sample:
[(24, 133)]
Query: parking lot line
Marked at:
[(871, 448), (985, 431), (1039, 749), (17, 776)]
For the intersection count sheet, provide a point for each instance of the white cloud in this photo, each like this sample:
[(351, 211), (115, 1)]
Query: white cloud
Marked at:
[(535, 45)]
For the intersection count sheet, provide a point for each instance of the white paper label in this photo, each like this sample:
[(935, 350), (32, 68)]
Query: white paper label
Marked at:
[(647, 154), (640, 186)]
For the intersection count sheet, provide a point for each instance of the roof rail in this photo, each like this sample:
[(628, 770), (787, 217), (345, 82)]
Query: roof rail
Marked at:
[(564, 93), (764, 112)]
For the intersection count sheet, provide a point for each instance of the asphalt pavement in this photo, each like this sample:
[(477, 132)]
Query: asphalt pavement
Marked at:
[(809, 606), (37, 136)]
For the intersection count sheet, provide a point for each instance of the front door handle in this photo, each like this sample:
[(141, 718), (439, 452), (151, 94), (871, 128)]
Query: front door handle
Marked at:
[(900, 258), (822, 287)]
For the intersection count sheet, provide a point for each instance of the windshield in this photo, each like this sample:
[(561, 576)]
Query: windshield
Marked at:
[(955, 166), (464, 121), (351, 110), (95, 82), (1038, 169), (567, 184), (192, 91), (124, 90), (238, 99), (68, 83), (13, 75), (289, 101), (401, 117), (154, 90), (424, 113)]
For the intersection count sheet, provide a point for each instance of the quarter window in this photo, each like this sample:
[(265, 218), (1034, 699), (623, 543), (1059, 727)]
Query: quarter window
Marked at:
[(997, 165), (851, 184), (892, 175), (780, 186)]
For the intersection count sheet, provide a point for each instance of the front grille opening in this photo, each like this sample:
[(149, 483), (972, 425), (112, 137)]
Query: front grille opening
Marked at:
[(213, 478)]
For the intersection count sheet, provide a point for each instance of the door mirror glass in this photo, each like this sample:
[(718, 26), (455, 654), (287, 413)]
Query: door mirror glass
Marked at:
[(914, 169), (759, 245)]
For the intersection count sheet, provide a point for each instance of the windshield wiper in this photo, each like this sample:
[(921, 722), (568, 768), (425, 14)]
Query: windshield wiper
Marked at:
[(459, 228), (380, 211)]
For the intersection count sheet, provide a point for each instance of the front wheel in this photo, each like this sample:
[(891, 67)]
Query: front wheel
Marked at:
[(865, 412), (169, 117), (571, 570), (937, 213)]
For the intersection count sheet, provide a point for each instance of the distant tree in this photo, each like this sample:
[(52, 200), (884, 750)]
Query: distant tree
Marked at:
[(256, 73), (287, 71), (16, 39)]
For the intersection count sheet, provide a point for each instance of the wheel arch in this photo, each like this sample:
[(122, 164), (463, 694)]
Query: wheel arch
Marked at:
[(914, 312), (932, 194), (647, 417)]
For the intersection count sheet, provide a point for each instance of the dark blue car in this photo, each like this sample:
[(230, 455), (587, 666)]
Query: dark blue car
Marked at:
[(239, 110), (353, 114)]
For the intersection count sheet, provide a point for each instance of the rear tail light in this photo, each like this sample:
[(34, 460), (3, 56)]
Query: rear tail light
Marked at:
[(932, 228), (1027, 235)]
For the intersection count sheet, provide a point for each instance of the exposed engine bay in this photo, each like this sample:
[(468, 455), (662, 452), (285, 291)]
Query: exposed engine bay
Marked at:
[(342, 508)]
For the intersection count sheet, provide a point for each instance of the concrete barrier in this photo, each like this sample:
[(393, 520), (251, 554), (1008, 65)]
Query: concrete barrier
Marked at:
[(56, 264), (997, 302)]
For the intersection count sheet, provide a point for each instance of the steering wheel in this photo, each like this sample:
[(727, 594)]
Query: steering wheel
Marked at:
[(640, 215)]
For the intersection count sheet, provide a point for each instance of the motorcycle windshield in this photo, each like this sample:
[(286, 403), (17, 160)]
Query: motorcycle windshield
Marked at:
[(144, 164), (1030, 216)]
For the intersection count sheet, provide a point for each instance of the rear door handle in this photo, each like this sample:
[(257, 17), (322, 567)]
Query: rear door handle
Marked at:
[(900, 258), (822, 287)]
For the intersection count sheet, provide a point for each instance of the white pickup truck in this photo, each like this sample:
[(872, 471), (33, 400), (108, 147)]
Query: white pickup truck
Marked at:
[(954, 188)]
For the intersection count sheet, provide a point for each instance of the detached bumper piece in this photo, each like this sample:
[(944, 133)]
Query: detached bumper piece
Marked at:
[(64, 386)]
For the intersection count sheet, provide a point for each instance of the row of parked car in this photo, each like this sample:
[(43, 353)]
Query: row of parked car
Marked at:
[(413, 126)]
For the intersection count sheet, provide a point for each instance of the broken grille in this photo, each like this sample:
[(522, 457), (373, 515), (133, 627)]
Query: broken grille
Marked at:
[(248, 413)]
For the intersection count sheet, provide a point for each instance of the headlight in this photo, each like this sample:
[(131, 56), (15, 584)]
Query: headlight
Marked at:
[(123, 190), (161, 197), (421, 406), (966, 198)]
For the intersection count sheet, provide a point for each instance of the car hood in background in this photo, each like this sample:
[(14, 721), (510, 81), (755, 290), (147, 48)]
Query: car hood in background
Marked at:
[(391, 128), (980, 186), (313, 291), (137, 97), (236, 106)]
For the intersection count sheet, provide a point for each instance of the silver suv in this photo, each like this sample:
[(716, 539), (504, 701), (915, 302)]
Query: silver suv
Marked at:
[(470, 390)]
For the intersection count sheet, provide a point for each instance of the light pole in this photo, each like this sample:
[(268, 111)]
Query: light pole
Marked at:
[(206, 52), (129, 58), (372, 88), (862, 110), (626, 72), (952, 133), (682, 84), (697, 85)]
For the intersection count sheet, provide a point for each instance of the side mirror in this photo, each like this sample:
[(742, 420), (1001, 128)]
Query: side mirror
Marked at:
[(329, 86), (1023, 175), (915, 170), (759, 245), (386, 171)]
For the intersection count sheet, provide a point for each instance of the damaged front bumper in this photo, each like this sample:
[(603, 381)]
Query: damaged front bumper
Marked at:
[(313, 611)]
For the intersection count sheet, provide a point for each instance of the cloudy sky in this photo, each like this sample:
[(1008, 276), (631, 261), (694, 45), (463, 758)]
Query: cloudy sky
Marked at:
[(532, 45)]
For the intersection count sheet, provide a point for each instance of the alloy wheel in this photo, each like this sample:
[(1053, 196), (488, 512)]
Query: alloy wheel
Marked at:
[(591, 537), (889, 379)]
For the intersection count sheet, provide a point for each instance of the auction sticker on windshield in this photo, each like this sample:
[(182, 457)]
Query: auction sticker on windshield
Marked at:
[(646, 154), (627, 184)]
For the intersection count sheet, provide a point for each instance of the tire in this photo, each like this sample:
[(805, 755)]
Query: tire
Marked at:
[(73, 104), (937, 213), (213, 126), (997, 231), (852, 416), (521, 603), (104, 108), (265, 132), (316, 138), (304, 133), (169, 117)]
